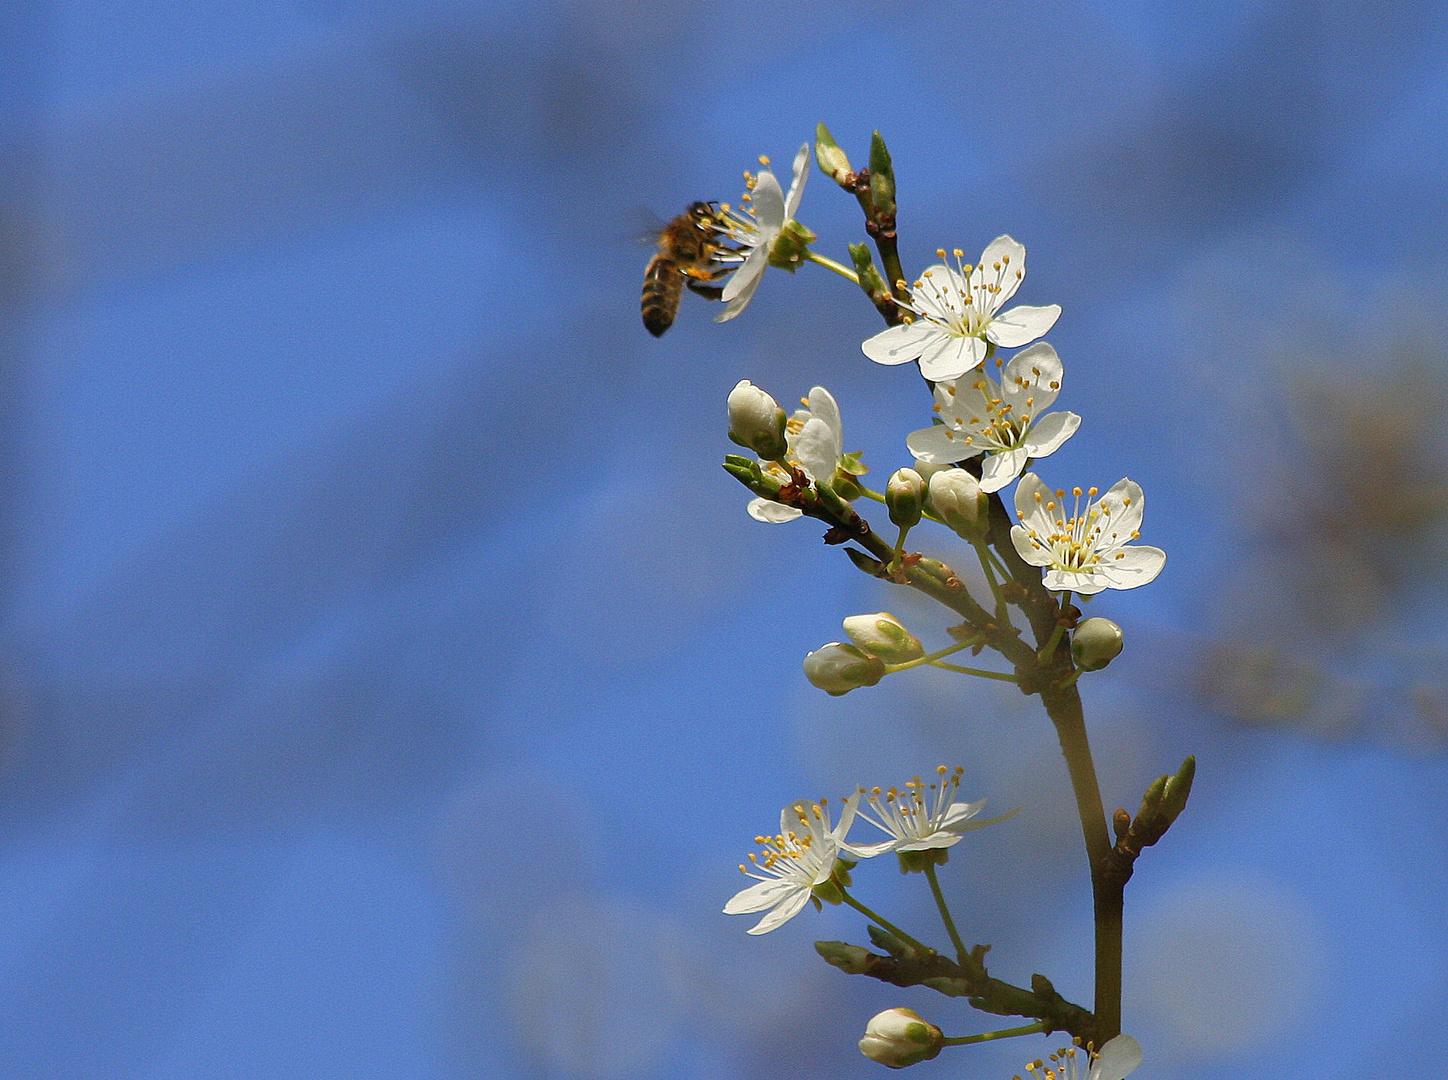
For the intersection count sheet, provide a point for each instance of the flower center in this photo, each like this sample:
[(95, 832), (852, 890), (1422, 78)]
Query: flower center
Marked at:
[(905, 813), (1062, 1065), (1077, 543)]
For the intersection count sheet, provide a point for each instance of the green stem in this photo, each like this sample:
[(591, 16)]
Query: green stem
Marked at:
[(830, 264), (1063, 704), (987, 1036), (924, 950), (929, 658), (1055, 639), (989, 565), (960, 949), (997, 675)]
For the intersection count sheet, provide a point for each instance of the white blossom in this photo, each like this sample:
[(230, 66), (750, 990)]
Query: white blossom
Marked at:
[(957, 313), (755, 226), (922, 816), (1090, 549), (790, 864), (1003, 419), (1115, 1061)]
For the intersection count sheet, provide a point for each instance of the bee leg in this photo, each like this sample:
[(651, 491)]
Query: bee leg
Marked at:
[(708, 292)]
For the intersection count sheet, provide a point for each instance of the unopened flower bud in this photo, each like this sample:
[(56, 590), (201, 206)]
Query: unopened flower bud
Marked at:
[(899, 1037), (884, 636), (838, 668), (956, 499), (1095, 644), (905, 498), (756, 421), (882, 178), (832, 160)]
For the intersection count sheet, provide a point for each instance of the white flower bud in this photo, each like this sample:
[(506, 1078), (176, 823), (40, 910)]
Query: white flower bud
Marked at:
[(1095, 644), (884, 636), (756, 422), (898, 1037), (905, 498), (957, 499), (838, 668)]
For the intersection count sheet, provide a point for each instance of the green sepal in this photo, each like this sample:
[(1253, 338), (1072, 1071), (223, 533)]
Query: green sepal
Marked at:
[(917, 862), (790, 249), (883, 939)]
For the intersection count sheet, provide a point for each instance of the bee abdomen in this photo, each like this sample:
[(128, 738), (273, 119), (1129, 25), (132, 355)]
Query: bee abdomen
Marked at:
[(663, 286)]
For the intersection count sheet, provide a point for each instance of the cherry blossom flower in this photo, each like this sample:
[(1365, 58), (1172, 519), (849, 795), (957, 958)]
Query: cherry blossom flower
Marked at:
[(1002, 420), (921, 817), (755, 227), (1090, 550), (957, 314), (1115, 1061), (791, 863)]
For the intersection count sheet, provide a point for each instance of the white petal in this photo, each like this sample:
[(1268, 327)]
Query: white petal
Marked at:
[(1026, 493), (822, 404), (1131, 566), (938, 293), (970, 407), (1039, 369), (958, 812), (1025, 549), (744, 280), (1022, 324), (1127, 504), (869, 851), (1085, 584), (929, 843), (768, 206), (971, 825), (1049, 432), (782, 914), (817, 448), (900, 344), (939, 445), (998, 470), (1001, 249), (796, 183), (759, 896), (1119, 1057), (950, 357), (771, 512)]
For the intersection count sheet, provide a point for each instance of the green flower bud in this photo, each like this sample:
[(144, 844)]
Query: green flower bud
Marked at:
[(1095, 644), (905, 498), (882, 178), (955, 498), (756, 422), (832, 160), (884, 636), (851, 959), (838, 668), (899, 1037)]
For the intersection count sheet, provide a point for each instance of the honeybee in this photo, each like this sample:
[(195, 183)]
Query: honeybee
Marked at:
[(688, 254)]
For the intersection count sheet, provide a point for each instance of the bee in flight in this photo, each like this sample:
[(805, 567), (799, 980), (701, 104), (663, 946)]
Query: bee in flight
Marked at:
[(690, 253)]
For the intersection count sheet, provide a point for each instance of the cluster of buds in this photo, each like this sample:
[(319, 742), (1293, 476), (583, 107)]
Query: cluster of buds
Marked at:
[(876, 643)]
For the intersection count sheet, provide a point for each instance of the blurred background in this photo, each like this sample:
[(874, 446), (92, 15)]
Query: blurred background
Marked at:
[(391, 680)]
